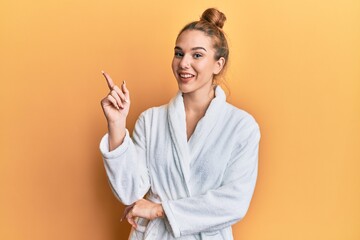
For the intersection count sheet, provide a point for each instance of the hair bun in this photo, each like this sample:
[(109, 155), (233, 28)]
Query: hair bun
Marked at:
[(214, 16)]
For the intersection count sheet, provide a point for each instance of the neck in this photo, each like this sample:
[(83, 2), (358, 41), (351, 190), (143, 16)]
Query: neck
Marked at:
[(199, 101)]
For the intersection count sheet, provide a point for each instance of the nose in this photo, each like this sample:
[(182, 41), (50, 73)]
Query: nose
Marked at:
[(185, 62)]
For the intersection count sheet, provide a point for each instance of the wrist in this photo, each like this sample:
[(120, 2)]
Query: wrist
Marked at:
[(117, 132), (115, 124)]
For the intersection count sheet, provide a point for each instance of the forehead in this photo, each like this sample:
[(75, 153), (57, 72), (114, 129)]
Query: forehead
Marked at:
[(193, 38)]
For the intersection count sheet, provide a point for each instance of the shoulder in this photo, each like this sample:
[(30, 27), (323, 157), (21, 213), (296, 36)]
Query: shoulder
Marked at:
[(240, 117), (241, 123), (153, 113)]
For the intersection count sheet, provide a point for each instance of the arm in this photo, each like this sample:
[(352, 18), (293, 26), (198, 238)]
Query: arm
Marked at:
[(125, 160), (221, 207), (126, 165)]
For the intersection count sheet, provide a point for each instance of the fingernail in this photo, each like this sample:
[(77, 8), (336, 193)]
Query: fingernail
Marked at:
[(102, 71), (127, 101), (124, 82)]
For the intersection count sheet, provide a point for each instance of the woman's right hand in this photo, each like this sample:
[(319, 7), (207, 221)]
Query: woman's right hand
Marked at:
[(116, 107), (116, 104)]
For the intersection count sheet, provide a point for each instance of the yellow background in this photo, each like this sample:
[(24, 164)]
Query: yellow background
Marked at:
[(294, 65)]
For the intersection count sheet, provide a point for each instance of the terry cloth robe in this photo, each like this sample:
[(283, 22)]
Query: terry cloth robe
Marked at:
[(204, 185)]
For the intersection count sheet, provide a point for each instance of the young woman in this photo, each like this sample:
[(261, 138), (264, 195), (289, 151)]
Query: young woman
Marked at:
[(190, 168)]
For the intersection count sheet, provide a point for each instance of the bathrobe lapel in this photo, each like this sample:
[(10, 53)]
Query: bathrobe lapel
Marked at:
[(177, 126), (202, 133), (185, 151)]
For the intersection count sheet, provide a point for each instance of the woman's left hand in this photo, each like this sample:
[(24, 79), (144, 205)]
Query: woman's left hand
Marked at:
[(145, 209)]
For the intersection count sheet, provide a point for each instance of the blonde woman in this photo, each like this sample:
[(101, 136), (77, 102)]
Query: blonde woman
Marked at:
[(190, 168)]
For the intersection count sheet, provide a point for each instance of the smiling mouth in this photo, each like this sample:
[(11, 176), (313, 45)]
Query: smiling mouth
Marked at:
[(186, 75)]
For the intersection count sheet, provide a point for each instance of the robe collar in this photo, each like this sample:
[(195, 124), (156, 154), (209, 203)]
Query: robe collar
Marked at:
[(177, 124)]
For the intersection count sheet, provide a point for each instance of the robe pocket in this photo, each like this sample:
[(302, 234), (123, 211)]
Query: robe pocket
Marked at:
[(146, 229), (142, 224), (139, 232)]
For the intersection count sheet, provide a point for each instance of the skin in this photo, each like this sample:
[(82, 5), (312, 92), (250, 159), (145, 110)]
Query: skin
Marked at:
[(116, 107), (194, 67)]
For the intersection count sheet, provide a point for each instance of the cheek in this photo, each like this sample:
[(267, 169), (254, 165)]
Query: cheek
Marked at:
[(203, 68), (211, 67)]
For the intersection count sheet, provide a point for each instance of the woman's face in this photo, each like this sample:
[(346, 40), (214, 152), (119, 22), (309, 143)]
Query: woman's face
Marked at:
[(194, 64)]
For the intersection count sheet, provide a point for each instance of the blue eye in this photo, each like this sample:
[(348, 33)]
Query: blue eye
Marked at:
[(179, 54), (197, 55)]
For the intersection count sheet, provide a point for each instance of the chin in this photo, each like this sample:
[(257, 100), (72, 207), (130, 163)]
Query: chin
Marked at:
[(184, 88)]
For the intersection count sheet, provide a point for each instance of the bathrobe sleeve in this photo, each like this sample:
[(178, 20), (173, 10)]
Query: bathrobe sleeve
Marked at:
[(126, 165), (224, 206)]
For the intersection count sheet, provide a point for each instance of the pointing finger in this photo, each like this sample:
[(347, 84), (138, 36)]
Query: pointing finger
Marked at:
[(108, 80)]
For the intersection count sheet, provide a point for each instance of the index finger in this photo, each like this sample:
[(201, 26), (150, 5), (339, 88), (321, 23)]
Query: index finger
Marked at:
[(109, 81)]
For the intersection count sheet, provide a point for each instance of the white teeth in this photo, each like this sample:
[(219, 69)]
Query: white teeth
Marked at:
[(186, 75)]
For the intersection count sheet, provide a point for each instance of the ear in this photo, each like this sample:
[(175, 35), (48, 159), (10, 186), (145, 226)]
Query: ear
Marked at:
[(219, 64)]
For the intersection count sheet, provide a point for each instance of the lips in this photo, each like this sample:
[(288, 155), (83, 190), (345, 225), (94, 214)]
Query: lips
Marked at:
[(185, 77)]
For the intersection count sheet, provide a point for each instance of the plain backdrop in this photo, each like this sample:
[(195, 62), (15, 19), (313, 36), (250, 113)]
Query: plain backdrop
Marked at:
[(294, 65)]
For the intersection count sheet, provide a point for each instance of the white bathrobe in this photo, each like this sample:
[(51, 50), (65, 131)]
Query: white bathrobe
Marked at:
[(204, 185)]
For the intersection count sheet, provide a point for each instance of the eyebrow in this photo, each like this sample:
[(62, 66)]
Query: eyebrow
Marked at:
[(195, 48)]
